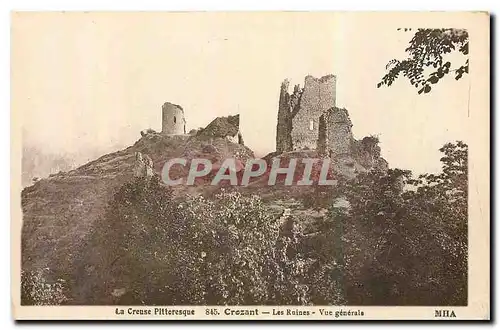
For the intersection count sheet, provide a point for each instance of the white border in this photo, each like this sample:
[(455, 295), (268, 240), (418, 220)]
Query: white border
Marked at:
[(6, 6)]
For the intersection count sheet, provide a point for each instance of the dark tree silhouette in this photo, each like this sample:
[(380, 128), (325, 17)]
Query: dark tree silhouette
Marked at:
[(426, 52), (405, 246)]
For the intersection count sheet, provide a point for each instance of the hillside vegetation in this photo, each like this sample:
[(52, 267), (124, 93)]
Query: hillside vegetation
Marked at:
[(96, 235)]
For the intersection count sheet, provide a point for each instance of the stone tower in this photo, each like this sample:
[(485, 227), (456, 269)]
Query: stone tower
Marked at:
[(300, 114), (308, 119), (317, 97), (173, 121)]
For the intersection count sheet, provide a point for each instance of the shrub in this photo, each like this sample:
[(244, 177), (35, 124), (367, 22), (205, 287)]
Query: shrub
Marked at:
[(407, 248), (36, 289)]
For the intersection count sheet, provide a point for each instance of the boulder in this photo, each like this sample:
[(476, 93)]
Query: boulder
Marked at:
[(143, 166)]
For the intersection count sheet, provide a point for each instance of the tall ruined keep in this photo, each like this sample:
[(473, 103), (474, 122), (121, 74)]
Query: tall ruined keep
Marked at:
[(304, 116), (317, 97), (308, 119), (173, 120)]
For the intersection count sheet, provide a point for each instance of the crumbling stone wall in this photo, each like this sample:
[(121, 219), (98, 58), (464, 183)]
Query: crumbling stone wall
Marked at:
[(309, 120), (368, 153), (299, 113), (224, 127), (317, 97), (339, 131), (285, 114), (323, 148)]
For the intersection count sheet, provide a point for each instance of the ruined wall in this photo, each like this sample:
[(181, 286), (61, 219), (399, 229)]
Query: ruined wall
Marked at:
[(309, 120), (339, 131), (173, 121), (284, 124), (317, 96), (222, 127), (339, 141), (322, 144)]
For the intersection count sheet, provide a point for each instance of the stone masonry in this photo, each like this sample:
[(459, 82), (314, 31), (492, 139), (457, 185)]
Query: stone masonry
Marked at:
[(303, 119), (173, 121), (317, 97), (308, 119)]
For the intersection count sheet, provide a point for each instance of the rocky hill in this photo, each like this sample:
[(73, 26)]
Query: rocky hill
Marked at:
[(63, 213), (59, 212)]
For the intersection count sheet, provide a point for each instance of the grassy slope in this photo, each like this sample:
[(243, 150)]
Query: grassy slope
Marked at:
[(59, 212)]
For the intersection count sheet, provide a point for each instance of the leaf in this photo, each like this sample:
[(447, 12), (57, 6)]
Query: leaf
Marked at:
[(465, 49), (427, 89), (426, 49), (433, 79)]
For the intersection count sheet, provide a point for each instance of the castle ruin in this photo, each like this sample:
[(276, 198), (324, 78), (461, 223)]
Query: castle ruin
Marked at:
[(308, 119), (174, 123), (314, 100), (173, 120)]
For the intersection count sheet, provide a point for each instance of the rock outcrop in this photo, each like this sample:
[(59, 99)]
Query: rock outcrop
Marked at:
[(143, 166), (148, 131), (61, 213)]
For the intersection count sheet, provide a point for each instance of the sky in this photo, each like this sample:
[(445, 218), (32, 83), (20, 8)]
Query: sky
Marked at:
[(87, 81)]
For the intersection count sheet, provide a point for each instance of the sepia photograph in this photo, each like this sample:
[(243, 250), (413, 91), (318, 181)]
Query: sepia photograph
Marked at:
[(250, 165)]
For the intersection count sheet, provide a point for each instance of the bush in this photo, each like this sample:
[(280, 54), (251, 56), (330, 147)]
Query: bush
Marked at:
[(407, 247), (386, 246), (219, 250), (37, 290)]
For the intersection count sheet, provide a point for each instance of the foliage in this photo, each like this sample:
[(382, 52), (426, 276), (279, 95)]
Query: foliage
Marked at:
[(319, 197), (427, 51), (224, 250), (126, 241), (327, 273), (407, 247), (233, 237), (385, 246), (36, 289), (288, 267)]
